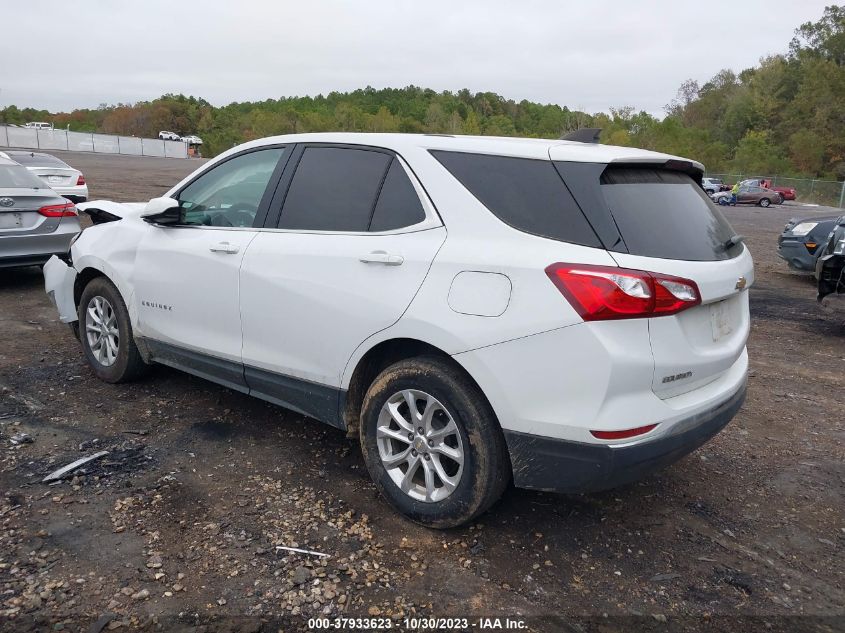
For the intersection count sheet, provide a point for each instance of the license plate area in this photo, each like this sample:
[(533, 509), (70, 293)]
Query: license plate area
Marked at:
[(11, 220), (721, 320)]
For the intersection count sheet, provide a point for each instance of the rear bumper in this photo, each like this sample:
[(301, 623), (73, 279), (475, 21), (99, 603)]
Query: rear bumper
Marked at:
[(37, 248), (543, 463), (797, 256), (75, 193)]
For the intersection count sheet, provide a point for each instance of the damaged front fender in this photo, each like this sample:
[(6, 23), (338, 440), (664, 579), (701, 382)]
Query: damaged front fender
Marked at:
[(58, 283)]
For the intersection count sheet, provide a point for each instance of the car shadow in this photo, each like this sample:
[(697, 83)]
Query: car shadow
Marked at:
[(27, 278)]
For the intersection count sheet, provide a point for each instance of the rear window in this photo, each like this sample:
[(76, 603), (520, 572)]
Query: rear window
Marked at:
[(17, 177), (36, 160), (665, 214), (527, 194)]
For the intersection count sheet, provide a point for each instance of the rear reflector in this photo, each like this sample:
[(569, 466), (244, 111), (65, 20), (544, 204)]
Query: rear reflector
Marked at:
[(622, 435), (58, 210), (80, 180), (601, 293)]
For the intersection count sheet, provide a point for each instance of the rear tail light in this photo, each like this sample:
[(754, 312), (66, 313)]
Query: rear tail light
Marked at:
[(622, 435), (58, 210), (80, 180), (601, 293)]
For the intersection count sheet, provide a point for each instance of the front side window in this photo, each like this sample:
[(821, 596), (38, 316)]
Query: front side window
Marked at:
[(334, 189), (229, 194)]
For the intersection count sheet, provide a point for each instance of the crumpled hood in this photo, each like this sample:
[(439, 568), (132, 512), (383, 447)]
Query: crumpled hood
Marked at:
[(121, 210)]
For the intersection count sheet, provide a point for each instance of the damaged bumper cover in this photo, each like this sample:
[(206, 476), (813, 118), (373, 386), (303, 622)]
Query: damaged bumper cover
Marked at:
[(549, 464), (59, 279)]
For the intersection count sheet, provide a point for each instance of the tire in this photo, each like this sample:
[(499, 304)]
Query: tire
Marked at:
[(475, 483), (779, 200), (101, 303), (764, 202)]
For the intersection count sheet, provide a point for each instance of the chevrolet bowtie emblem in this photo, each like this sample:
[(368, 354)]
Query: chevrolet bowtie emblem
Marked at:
[(741, 283)]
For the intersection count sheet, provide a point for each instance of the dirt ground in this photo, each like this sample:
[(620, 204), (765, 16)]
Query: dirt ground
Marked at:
[(178, 527)]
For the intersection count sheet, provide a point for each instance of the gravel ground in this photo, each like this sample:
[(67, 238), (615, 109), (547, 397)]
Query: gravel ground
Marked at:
[(178, 527)]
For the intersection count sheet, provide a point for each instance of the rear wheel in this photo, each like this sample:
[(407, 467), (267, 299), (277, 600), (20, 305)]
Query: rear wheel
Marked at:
[(432, 444), (106, 333)]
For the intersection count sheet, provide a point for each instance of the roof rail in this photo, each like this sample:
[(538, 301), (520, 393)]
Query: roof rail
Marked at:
[(584, 135)]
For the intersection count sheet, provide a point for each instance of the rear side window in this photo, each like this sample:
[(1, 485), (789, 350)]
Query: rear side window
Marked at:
[(334, 189), (398, 204), (665, 214), (527, 194)]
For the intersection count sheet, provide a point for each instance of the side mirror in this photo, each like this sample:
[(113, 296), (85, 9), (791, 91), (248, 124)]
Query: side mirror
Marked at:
[(162, 211)]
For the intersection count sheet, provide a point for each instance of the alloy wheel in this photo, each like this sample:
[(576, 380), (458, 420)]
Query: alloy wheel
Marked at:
[(101, 330), (420, 445)]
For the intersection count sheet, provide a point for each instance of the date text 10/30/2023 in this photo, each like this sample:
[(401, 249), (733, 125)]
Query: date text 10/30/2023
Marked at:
[(418, 624)]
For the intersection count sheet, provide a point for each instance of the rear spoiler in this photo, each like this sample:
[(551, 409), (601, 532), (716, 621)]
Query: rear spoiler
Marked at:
[(692, 168)]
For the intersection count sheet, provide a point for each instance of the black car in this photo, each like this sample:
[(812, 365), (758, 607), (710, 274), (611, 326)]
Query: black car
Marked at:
[(803, 240), (830, 270), (836, 234)]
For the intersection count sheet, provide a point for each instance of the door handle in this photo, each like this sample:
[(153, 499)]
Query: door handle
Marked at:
[(382, 257), (224, 247)]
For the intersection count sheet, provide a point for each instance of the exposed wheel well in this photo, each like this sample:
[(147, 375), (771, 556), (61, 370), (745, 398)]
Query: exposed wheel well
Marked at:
[(377, 360), (82, 280)]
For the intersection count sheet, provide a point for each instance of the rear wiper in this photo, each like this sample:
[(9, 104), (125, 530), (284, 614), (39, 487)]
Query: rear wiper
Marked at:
[(735, 240)]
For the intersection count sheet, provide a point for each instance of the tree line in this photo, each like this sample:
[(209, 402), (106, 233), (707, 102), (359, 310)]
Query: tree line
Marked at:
[(785, 116)]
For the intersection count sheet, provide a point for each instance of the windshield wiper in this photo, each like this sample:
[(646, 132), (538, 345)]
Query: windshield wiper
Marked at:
[(732, 241)]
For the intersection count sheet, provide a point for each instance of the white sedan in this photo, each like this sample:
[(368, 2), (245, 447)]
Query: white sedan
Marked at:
[(57, 174)]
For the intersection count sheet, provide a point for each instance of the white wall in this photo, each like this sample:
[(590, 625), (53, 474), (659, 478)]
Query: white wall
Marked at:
[(30, 138)]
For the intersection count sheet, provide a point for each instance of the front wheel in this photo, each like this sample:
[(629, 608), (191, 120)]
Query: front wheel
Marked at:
[(106, 333), (432, 443), (765, 202)]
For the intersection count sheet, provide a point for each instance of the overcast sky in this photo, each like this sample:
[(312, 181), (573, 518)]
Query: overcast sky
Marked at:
[(587, 55)]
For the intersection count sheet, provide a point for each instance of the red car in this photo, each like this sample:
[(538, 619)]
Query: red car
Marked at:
[(788, 193)]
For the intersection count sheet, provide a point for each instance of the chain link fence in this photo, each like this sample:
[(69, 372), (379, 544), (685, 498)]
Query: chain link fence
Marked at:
[(830, 193)]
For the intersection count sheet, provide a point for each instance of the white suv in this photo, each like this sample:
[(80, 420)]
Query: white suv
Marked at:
[(475, 310)]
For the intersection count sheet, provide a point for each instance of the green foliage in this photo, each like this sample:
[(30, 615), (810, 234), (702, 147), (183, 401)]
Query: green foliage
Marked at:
[(756, 155), (782, 117)]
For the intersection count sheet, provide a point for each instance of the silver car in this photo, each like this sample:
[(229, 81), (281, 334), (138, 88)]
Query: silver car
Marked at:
[(59, 176), (35, 221)]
